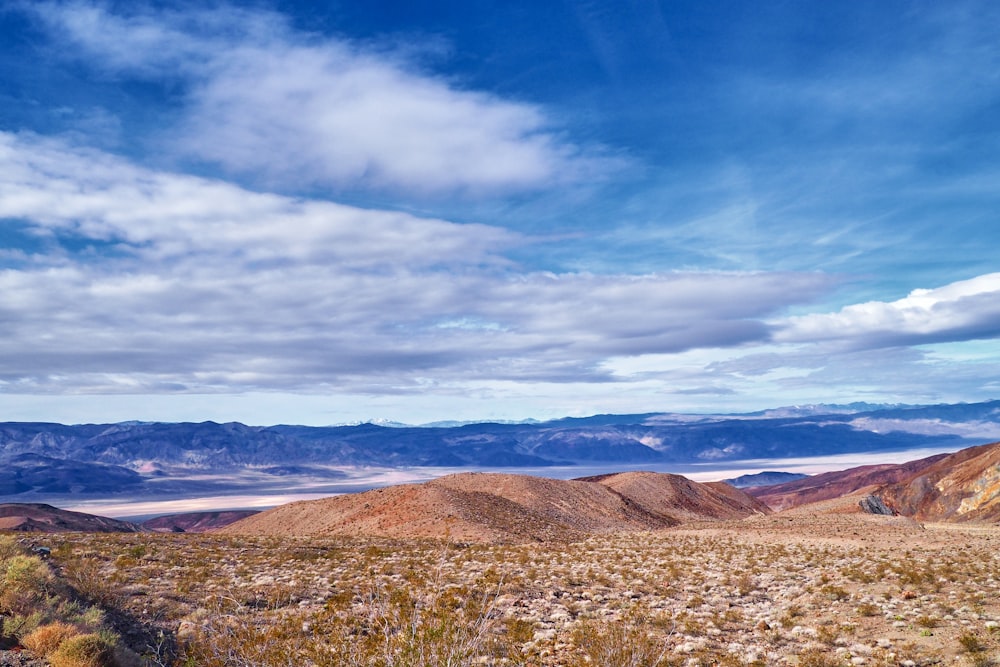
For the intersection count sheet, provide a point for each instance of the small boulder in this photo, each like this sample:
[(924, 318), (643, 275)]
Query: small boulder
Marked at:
[(875, 505)]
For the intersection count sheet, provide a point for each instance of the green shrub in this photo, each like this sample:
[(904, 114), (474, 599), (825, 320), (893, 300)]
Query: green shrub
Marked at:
[(19, 625), (8, 548), (90, 650), (26, 582)]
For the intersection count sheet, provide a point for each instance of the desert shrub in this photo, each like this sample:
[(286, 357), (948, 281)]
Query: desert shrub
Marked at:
[(828, 634), (972, 643), (26, 583), (788, 619), (867, 609), (8, 547), (19, 625), (818, 658), (835, 592), (926, 621), (234, 640), (86, 575), (89, 650), (626, 643), (519, 631), (385, 626), (44, 640)]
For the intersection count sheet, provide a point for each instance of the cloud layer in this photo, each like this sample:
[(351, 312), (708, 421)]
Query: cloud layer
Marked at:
[(157, 281), (292, 109), (223, 202), (964, 310)]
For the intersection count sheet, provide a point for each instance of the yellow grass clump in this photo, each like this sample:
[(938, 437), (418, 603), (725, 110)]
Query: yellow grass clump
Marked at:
[(44, 641)]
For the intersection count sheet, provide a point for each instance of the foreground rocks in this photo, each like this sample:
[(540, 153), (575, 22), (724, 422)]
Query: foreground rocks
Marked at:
[(792, 588)]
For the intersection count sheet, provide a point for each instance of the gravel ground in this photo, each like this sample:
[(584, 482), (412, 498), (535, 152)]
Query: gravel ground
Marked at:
[(792, 588)]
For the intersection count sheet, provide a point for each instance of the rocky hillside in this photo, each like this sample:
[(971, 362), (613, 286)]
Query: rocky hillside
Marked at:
[(487, 507), (40, 518), (964, 486), (830, 485)]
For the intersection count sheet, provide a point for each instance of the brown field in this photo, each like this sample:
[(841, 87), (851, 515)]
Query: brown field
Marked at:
[(812, 586)]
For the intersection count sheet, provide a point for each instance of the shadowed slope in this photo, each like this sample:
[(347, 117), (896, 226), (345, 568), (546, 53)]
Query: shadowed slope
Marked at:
[(41, 518), (680, 500), (196, 522)]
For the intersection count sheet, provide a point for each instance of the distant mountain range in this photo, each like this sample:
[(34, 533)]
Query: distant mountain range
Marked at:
[(500, 507), (39, 459), (766, 478)]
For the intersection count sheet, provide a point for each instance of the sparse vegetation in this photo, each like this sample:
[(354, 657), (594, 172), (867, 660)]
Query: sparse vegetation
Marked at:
[(43, 613), (44, 641), (89, 650), (827, 589)]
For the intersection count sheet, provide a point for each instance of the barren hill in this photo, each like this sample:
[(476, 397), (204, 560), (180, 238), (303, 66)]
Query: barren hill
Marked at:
[(964, 486), (195, 522), (487, 507), (40, 518), (829, 485)]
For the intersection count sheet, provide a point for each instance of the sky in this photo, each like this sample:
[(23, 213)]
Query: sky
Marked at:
[(320, 213)]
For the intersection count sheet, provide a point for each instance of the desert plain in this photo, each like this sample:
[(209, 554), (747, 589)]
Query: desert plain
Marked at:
[(821, 584)]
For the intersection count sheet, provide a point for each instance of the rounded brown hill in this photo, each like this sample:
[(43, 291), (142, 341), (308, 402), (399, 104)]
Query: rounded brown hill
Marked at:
[(681, 500), (489, 507)]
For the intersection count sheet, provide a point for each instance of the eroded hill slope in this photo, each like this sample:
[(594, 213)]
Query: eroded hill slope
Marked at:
[(489, 507), (830, 485), (964, 486)]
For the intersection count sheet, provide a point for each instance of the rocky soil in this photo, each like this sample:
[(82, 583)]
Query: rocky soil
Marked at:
[(798, 588)]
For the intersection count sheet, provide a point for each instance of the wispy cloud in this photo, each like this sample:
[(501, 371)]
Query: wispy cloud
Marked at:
[(293, 109), (222, 201), (201, 285)]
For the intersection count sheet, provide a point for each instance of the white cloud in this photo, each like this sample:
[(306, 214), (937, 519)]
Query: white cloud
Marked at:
[(288, 108), (153, 281), (164, 215), (963, 310)]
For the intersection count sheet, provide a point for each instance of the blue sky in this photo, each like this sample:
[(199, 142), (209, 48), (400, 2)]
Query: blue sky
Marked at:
[(284, 212)]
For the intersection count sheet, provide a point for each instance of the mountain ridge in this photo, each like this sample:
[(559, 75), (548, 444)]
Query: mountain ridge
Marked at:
[(136, 458)]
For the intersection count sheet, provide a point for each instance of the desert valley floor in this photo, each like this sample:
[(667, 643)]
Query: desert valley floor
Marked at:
[(817, 585)]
